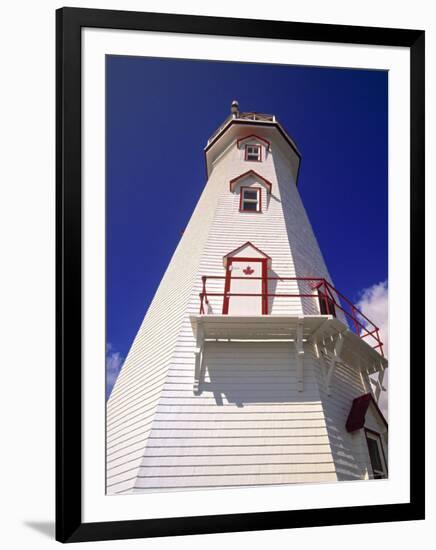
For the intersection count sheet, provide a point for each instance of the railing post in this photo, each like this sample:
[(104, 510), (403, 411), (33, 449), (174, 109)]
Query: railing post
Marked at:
[(203, 278), (326, 294), (353, 315), (327, 305), (380, 343)]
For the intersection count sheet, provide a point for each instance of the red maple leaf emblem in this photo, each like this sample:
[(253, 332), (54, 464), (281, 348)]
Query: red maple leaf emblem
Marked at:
[(248, 270)]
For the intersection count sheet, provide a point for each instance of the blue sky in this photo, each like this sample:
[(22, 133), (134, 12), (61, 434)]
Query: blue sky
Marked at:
[(338, 118)]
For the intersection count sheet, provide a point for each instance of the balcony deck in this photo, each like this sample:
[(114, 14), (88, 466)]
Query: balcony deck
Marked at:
[(318, 298), (272, 328)]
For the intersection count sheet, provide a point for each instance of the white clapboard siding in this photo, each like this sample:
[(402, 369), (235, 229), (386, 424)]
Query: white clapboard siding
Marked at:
[(374, 422), (250, 424), (259, 427), (227, 480), (239, 452), (154, 345), (349, 450), (236, 460)]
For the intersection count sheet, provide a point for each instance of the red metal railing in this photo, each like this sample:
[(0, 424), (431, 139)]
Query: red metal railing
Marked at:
[(325, 300)]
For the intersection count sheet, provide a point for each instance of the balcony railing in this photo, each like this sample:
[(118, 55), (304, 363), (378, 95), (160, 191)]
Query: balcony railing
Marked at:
[(262, 117), (316, 295), (257, 116)]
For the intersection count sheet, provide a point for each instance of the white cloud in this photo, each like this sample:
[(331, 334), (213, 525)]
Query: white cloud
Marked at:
[(114, 362), (374, 304)]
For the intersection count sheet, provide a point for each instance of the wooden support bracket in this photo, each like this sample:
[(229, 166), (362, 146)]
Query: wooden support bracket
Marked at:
[(334, 360), (330, 374), (379, 385), (381, 377), (299, 348), (198, 354), (317, 352), (314, 336)]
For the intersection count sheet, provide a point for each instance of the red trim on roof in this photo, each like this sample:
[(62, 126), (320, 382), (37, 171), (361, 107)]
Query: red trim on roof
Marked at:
[(253, 136), (359, 408), (245, 244), (251, 173), (248, 123)]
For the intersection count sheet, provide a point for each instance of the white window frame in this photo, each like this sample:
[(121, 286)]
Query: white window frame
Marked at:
[(256, 201), (374, 436), (259, 152)]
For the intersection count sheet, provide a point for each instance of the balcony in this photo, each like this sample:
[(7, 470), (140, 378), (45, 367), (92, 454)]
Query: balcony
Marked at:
[(266, 303), (255, 117)]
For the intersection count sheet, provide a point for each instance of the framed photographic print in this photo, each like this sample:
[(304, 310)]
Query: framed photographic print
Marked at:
[(240, 248)]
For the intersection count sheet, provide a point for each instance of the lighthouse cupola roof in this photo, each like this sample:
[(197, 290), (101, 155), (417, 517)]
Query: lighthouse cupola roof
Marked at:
[(238, 123)]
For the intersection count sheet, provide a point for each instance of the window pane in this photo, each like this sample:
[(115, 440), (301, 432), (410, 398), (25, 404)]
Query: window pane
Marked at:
[(252, 206), (326, 304), (250, 195), (374, 454), (253, 152)]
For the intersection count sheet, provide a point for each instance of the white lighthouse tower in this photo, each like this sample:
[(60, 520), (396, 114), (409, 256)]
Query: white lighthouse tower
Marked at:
[(249, 368)]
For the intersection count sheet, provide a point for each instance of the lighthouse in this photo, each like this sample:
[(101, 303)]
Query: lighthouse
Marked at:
[(250, 367)]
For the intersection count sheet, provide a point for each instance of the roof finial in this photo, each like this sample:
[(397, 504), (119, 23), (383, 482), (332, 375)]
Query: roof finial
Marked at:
[(235, 108)]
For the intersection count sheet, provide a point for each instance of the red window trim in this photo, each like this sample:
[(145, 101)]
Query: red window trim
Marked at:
[(253, 137), (260, 159), (264, 297), (241, 193), (253, 173)]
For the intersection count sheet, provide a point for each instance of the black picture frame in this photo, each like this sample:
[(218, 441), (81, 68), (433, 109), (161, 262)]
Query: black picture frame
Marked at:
[(69, 525)]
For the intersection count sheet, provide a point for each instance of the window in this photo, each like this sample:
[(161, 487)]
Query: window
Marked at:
[(250, 199), (376, 454), (326, 304), (253, 152)]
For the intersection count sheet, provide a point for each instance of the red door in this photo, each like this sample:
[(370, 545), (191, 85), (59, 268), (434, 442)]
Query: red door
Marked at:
[(247, 279)]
